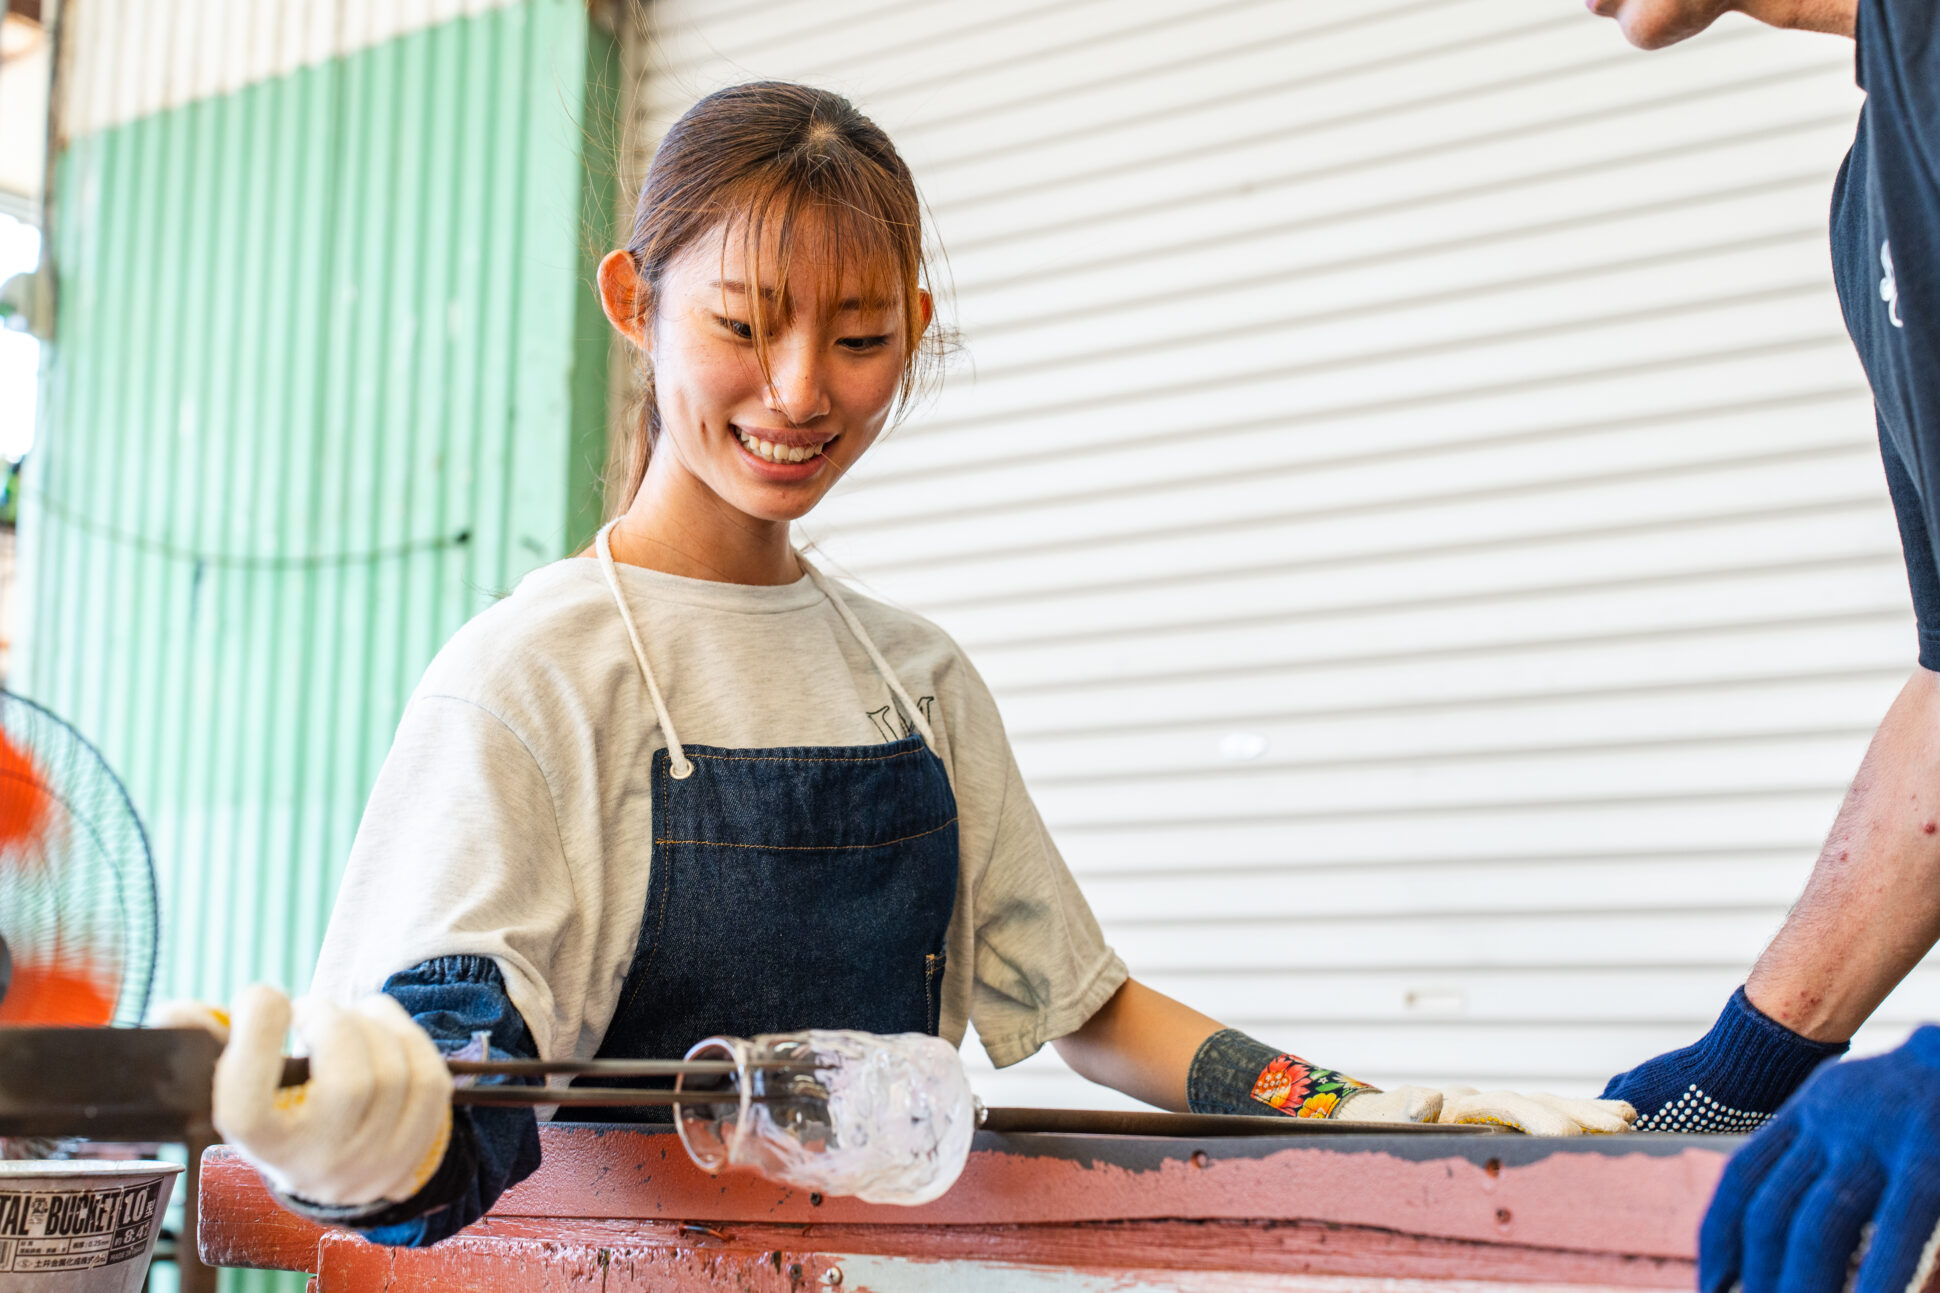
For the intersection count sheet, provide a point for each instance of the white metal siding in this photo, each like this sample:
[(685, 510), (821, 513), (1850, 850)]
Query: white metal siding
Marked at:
[(1409, 489), (133, 58)]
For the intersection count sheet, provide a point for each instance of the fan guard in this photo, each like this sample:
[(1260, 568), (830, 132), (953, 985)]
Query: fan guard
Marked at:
[(78, 904)]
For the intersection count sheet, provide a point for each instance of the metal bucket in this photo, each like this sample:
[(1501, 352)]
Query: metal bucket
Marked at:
[(80, 1226)]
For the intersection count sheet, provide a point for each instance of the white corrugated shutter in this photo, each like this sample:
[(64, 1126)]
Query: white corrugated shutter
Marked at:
[(1409, 489)]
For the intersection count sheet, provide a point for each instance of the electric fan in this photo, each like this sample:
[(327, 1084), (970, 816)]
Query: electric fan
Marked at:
[(77, 886)]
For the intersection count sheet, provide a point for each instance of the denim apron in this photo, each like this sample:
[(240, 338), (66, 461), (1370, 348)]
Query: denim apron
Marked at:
[(788, 888)]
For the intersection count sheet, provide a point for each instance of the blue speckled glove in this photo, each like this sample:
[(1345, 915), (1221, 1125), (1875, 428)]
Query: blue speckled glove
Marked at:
[(1732, 1080), (1857, 1150)]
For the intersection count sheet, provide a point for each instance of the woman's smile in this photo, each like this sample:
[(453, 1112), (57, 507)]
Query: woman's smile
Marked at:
[(782, 456)]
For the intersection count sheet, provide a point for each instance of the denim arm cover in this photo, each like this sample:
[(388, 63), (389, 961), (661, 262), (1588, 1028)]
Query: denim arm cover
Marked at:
[(491, 1150), (1223, 1072), (1234, 1073)]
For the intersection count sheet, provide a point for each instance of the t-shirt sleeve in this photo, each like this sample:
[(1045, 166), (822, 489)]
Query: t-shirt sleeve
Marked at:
[(1916, 542), (1898, 40), (1042, 964), (1886, 261), (459, 854)]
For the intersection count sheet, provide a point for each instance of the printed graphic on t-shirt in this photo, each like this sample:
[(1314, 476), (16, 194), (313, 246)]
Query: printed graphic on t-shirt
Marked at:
[(894, 727), (1889, 288)]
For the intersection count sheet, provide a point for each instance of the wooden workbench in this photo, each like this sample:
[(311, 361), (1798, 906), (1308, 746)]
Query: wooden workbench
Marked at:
[(622, 1210)]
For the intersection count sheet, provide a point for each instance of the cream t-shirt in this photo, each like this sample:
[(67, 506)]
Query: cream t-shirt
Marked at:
[(513, 815)]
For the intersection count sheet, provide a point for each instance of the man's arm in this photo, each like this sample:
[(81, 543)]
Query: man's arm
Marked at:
[(1871, 909), (1653, 24)]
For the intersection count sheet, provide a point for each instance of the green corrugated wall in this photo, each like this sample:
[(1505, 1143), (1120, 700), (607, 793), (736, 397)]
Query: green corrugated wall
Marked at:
[(327, 376)]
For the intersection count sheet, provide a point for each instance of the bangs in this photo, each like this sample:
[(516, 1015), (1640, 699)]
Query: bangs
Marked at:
[(804, 249), (838, 246)]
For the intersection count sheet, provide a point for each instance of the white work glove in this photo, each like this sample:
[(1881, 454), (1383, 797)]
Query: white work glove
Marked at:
[(1403, 1104), (1537, 1113), (185, 1013), (372, 1123)]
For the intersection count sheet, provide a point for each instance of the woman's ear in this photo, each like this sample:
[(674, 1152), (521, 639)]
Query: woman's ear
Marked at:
[(626, 300), (926, 304)]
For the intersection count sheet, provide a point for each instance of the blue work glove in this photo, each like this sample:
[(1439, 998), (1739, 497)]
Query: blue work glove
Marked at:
[(1858, 1146), (1732, 1080)]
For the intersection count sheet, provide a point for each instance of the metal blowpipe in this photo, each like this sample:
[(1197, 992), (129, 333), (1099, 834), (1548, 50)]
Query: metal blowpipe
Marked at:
[(296, 1071)]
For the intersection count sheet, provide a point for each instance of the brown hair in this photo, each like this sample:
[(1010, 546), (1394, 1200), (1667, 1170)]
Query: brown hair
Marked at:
[(787, 163)]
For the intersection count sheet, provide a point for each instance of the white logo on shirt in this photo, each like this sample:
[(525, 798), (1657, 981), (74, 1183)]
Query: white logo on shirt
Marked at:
[(1889, 288)]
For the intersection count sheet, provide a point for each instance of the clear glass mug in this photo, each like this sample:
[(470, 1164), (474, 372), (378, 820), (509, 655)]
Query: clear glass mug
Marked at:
[(886, 1119)]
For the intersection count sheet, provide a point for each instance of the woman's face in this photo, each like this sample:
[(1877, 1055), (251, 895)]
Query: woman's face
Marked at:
[(770, 446)]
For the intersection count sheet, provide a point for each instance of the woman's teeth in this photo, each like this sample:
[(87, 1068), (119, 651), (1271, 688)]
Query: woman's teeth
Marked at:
[(776, 452)]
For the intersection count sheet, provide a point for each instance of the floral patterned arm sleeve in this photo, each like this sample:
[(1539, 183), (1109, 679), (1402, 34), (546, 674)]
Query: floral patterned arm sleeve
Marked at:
[(1234, 1073)]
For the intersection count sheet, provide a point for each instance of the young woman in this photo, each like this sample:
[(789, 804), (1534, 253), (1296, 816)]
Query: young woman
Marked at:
[(648, 797)]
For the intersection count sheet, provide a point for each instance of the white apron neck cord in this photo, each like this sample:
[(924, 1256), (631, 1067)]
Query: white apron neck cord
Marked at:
[(916, 715), (683, 767)]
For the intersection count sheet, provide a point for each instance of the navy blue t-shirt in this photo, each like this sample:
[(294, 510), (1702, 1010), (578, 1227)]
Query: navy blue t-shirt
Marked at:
[(1886, 260)]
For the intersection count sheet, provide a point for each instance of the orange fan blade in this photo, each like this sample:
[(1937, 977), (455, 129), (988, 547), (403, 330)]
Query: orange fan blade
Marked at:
[(23, 797), (59, 992)]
